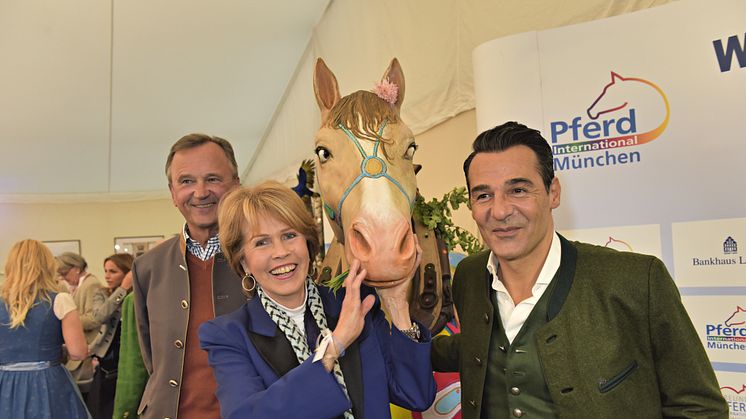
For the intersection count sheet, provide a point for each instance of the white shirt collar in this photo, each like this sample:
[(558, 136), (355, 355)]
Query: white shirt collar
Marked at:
[(301, 308), (297, 314), (548, 270)]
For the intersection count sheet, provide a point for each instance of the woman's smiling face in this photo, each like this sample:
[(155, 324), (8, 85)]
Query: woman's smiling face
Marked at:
[(277, 256)]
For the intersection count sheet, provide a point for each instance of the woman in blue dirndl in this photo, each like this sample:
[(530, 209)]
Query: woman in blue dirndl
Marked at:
[(36, 319)]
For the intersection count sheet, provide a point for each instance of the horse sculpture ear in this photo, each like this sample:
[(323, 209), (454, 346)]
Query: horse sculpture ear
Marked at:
[(394, 74), (325, 87)]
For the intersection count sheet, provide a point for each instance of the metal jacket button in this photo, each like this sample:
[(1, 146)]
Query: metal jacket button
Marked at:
[(472, 403), (486, 318), (515, 391), (173, 383), (178, 343), (477, 360), (184, 304), (517, 413)]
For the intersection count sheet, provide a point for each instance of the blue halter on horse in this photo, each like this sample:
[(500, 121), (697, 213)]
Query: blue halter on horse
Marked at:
[(372, 167), (381, 235)]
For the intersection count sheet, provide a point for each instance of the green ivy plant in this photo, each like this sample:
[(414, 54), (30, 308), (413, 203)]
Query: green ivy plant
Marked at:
[(437, 213)]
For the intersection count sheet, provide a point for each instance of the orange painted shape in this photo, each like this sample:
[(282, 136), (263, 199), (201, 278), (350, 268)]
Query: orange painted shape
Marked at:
[(373, 166)]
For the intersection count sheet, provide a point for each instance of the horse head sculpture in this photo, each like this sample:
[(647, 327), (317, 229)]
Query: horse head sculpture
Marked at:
[(366, 176)]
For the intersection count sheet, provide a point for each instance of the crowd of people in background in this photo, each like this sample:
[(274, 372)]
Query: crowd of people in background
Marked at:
[(54, 311)]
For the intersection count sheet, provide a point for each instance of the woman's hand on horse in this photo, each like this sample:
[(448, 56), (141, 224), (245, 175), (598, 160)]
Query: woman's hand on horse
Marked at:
[(352, 316), (394, 299)]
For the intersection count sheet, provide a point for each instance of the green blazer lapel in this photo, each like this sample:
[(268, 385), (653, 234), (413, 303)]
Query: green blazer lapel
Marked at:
[(485, 288), (477, 271), (477, 293), (564, 278), (551, 339)]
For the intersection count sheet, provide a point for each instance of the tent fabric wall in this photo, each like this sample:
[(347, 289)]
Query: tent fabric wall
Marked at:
[(432, 40)]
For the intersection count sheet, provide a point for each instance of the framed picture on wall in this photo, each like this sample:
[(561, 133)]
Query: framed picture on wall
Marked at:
[(136, 246), (59, 247)]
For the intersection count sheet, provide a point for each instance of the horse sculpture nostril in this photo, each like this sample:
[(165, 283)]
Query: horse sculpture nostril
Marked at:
[(361, 246), (406, 243)]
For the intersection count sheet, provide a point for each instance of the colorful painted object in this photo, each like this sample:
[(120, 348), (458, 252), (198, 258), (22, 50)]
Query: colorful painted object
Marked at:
[(366, 176)]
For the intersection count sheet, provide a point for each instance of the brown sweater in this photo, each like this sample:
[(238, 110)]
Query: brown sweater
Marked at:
[(197, 399)]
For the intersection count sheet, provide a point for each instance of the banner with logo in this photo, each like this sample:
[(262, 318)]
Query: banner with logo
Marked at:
[(645, 115)]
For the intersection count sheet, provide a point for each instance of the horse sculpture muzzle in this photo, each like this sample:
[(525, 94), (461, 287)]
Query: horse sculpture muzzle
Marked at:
[(385, 247)]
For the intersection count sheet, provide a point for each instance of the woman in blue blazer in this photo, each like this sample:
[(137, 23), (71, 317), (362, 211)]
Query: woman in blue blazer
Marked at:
[(296, 349)]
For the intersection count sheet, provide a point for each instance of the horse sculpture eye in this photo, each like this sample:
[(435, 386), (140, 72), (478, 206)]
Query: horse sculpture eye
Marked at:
[(409, 154), (323, 154)]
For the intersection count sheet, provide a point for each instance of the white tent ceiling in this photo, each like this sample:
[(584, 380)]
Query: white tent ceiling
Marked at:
[(93, 93)]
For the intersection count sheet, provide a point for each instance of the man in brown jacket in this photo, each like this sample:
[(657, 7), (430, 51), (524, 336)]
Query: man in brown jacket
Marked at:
[(185, 281), (553, 328)]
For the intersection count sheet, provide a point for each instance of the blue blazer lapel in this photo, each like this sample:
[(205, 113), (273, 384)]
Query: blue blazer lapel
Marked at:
[(350, 363), (271, 344)]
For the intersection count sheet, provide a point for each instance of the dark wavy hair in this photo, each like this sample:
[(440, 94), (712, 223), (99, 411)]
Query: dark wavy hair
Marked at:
[(122, 260)]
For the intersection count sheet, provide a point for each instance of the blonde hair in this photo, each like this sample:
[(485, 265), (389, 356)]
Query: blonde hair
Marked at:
[(248, 205), (29, 274)]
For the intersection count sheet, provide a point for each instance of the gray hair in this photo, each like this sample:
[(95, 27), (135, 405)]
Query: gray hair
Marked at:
[(195, 140), (69, 260)]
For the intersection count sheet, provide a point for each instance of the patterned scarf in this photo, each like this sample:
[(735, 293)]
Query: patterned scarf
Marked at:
[(296, 336)]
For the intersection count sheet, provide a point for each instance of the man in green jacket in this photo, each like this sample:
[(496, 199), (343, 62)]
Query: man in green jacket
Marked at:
[(553, 328)]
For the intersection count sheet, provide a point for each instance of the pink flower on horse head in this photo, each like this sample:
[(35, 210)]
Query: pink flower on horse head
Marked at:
[(387, 91)]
